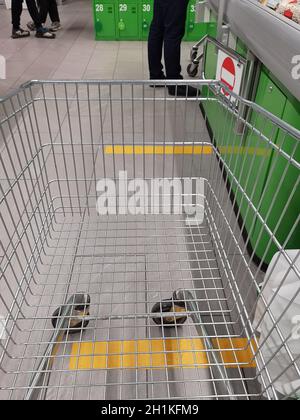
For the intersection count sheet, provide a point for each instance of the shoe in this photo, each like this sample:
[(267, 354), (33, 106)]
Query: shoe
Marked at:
[(55, 26), (20, 33), (158, 86), (44, 33), (183, 91), (31, 26)]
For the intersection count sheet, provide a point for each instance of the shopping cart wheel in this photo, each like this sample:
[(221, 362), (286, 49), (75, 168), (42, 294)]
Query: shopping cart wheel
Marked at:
[(192, 70), (169, 305), (194, 53), (74, 312)]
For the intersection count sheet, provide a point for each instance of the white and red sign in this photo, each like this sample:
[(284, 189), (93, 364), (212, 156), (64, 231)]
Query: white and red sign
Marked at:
[(230, 72)]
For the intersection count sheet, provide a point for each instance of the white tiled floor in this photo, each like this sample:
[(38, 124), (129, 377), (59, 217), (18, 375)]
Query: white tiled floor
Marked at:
[(74, 54)]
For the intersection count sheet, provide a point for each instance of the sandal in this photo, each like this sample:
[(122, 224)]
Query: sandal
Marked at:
[(19, 33), (31, 26), (44, 33), (55, 26)]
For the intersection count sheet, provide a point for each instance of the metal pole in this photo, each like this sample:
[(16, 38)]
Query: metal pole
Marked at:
[(219, 371), (221, 12), (67, 316)]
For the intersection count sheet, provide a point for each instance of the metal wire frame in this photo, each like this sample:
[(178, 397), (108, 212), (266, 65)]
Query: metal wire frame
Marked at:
[(54, 137)]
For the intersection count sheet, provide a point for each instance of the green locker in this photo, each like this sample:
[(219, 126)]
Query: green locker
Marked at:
[(131, 20), (146, 11), (241, 48), (224, 125), (128, 20), (258, 157), (283, 175), (255, 166), (104, 16), (196, 31)]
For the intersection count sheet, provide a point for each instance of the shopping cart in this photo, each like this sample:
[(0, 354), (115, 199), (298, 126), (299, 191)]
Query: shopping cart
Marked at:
[(125, 269)]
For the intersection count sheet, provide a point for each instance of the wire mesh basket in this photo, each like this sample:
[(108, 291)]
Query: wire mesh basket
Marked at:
[(135, 239)]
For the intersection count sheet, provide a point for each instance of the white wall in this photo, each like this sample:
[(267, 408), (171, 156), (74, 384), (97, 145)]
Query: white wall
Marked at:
[(8, 4)]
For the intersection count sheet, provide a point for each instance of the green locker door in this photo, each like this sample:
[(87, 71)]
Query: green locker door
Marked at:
[(225, 136), (280, 189), (147, 16), (104, 16), (194, 31), (255, 167), (128, 20)]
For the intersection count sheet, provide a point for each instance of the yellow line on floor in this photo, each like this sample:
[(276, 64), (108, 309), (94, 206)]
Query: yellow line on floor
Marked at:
[(184, 150), (245, 150), (157, 150), (159, 354)]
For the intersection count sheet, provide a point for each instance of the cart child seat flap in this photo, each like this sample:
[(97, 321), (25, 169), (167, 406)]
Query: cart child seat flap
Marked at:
[(278, 313)]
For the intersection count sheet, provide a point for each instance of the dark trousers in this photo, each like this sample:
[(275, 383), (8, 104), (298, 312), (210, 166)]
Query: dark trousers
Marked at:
[(167, 30), (48, 6), (16, 11)]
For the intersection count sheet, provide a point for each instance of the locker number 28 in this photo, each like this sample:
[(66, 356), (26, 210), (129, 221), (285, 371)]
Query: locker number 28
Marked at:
[(99, 8)]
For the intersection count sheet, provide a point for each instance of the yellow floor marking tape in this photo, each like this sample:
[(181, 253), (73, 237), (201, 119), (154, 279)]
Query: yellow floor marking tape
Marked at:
[(159, 354), (158, 150), (184, 150), (245, 150)]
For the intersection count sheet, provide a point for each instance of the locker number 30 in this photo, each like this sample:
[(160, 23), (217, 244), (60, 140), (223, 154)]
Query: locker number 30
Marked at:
[(146, 8)]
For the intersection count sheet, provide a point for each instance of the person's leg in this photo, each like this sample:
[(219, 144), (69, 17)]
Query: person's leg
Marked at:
[(53, 11), (16, 11), (155, 41), (42, 6), (34, 13), (175, 21), (41, 32), (43, 9)]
